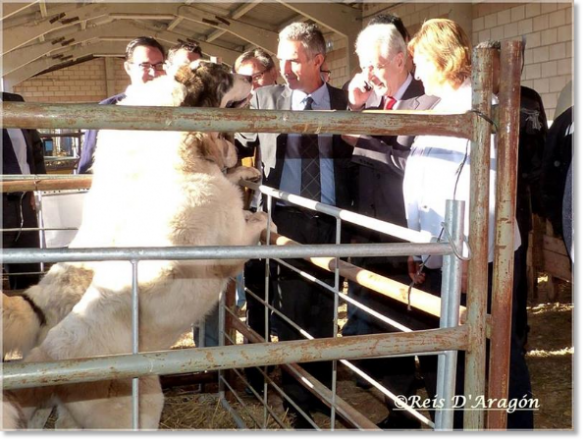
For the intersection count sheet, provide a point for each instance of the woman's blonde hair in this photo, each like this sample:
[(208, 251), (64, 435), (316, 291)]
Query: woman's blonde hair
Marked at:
[(447, 46)]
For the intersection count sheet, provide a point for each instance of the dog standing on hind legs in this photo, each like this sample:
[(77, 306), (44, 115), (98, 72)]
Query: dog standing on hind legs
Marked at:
[(150, 189)]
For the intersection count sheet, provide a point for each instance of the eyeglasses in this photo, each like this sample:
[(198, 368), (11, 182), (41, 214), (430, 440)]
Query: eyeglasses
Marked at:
[(326, 72), (258, 75), (158, 67)]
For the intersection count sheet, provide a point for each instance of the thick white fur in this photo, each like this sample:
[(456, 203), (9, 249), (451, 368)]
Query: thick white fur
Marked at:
[(150, 189)]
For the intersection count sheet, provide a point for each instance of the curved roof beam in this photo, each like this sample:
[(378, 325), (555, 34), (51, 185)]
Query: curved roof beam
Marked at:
[(10, 9), (18, 36), (258, 37), (108, 48), (22, 56)]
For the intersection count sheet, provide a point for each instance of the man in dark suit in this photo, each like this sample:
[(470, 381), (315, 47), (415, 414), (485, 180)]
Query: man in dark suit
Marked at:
[(22, 154), (286, 166), (385, 65), (145, 60)]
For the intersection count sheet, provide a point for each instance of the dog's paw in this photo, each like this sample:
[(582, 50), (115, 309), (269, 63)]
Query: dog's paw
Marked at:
[(259, 218), (243, 173)]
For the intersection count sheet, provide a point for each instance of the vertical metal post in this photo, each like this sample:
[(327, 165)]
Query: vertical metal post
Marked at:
[(220, 339), (266, 300), (503, 279), (135, 346), (40, 222), (450, 301), (335, 322), (477, 294)]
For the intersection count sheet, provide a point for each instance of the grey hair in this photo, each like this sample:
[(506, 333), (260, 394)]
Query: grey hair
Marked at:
[(309, 35), (258, 54), (386, 36)]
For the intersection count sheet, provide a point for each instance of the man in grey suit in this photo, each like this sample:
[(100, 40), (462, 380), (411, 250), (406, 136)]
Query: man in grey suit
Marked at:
[(385, 71), (289, 162)]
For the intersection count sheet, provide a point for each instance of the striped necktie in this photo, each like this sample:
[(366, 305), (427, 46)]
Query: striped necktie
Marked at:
[(310, 167)]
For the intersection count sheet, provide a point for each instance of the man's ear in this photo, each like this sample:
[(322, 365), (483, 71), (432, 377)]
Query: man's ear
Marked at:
[(127, 67), (319, 60), (400, 60)]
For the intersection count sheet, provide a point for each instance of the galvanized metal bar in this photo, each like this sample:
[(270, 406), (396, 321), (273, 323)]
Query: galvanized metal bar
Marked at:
[(11, 256), (380, 284), (19, 183), (335, 323), (278, 389), (345, 215), (239, 422), (92, 116), (41, 224), (221, 332), (503, 278), (20, 375), (248, 333), (478, 236), (319, 390), (451, 299), (259, 398), (135, 346), (364, 308), (239, 325), (223, 383)]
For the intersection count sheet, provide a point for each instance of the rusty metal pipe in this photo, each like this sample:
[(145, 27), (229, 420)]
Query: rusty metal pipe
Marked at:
[(477, 294), (41, 182), (25, 375), (92, 116), (503, 278)]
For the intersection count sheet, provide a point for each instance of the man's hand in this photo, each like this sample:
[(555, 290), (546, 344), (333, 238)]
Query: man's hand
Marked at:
[(413, 271), (358, 91), (350, 139)]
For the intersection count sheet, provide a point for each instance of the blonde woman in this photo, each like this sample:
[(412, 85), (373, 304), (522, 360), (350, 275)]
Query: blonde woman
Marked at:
[(438, 169)]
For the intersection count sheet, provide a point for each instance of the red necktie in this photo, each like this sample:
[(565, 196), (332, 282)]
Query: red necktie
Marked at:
[(390, 102)]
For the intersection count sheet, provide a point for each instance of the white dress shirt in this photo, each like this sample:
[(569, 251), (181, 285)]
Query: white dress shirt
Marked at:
[(438, 169)]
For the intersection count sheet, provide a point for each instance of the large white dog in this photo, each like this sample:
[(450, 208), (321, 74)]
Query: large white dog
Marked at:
[(150, 189)]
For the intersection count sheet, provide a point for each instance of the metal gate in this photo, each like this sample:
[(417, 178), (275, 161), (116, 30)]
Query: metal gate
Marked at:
[(452, 336)]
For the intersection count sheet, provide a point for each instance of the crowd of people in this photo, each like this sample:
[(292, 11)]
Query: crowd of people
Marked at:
[(404, 180)]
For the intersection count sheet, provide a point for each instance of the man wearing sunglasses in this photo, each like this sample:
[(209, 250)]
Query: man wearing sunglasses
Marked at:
[(144, 62)]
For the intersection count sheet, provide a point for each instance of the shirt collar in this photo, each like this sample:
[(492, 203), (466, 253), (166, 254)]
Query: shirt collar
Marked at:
[(320, 98), (402, 89)]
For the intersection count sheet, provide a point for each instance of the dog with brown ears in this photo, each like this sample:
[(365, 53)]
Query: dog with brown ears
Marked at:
[(150, 189)]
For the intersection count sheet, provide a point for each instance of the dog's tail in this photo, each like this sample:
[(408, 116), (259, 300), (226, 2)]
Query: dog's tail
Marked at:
[(22, 320)]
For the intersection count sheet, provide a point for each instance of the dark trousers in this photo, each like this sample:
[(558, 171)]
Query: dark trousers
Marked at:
[(305, 303), (17, 212), (254, 278), (519, 378), (396, 374)]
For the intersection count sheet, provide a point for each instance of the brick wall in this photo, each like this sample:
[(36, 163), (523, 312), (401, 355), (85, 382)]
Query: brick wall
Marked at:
[(548, 29), (82, 83), (337, 58)]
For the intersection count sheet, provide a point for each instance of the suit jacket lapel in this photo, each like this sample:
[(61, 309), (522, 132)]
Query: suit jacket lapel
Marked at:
[(283, 102), (337, 99)]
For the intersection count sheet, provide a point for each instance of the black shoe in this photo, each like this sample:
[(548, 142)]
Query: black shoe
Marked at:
[(362, 383), (249, 392), (393, 422), (298, 421)]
